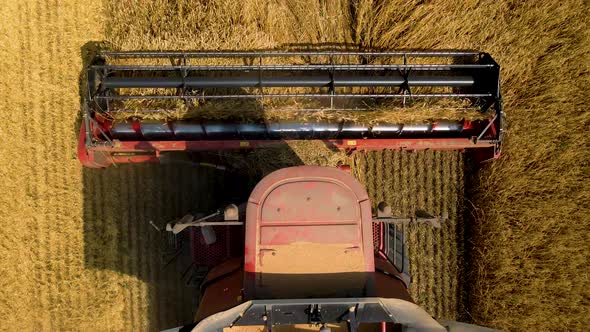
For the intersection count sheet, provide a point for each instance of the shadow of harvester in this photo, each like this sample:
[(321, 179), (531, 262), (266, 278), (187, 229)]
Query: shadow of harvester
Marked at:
[(125, 204), (119, 203)]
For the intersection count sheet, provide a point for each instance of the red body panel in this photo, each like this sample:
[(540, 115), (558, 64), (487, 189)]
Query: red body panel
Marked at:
[(309, 205), (148, 151), (364, 144)]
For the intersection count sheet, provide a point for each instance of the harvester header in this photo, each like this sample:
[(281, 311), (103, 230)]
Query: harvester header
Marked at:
[(142, 104)]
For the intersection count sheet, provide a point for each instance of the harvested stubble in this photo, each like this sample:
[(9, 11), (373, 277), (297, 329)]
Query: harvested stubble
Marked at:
[(431, 181)]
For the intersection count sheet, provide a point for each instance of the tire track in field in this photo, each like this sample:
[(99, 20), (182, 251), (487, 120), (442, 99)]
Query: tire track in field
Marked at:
[(397, 182), (447, 227), (101, 240), (140, 253), (370, 173), (450, 231), (153, 257), (152, 299), (417, 267), (144, 178), (37, 18), (149, 209), (114, 228), (459, 179), (71, 242), (123, 245), (443, 202), (53, 166), (133, 252), (129, 217), (88, 230), (169, 207), (89, 244), (49, 96), (389, 182), (435, 206), (190, 190), (92, 235), (426, 247), (379, 178), (453, 233), (155, 307), (425, 198), (128, 182), (18, 291), (432, 239), (25, 22), (41, 92), (170, 315), (105, 240), (417, 237)]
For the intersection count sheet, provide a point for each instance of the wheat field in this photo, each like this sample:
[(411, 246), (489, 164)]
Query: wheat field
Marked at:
[(78, 253)]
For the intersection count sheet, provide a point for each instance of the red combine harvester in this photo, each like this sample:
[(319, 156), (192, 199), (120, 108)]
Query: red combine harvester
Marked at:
[(314, 257), (332, 81), (306, 251)]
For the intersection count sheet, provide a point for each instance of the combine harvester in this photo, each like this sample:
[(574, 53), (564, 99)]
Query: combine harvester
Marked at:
[(353, 82), (306, 251)]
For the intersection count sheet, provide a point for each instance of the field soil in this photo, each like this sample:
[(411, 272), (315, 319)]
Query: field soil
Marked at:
[(78, 252)]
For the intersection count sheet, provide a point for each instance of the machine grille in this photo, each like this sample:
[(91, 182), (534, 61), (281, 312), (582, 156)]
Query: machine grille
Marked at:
[(377, 236), (229, 243)]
